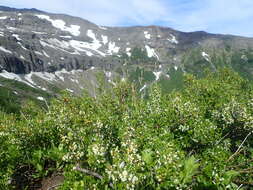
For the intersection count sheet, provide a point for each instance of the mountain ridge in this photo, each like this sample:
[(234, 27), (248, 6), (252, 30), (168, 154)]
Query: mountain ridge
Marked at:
[(42, 50), (6, 8)]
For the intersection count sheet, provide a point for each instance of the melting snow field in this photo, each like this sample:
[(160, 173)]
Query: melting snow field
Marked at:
[(173, 39), (81, 46), (151, 52), (60, 24), (112, 48), (104, 39), (147, 35), (206, 56)]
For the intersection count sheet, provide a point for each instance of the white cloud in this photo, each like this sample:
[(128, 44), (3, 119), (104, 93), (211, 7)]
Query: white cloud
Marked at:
[(103, 12)]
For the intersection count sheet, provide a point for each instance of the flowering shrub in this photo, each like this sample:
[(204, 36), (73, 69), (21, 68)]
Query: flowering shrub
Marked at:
[(197, 138)]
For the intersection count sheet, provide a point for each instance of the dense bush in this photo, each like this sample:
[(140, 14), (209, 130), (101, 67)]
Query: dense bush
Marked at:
[(198, 138)]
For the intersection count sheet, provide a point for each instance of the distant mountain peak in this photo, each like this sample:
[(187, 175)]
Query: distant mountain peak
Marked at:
[(5, 8), (42, 49)]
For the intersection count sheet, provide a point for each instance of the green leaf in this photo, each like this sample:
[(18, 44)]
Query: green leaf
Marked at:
[(147, 156), (190, 169)]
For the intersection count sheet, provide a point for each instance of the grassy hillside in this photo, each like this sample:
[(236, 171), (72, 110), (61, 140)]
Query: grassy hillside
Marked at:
[(14, 94), (197, 138)]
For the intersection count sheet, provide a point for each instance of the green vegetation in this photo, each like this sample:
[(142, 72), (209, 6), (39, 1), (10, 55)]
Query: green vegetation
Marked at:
[(196, 138), (174, 82), (138, 56), (13, 94)]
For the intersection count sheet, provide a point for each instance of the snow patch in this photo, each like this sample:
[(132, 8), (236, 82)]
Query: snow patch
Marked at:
[(83, 46), (17, 37), (46, 54), (206, 56), (22, 46), (102, 27), (104, 39), (74, 80), (41, 98), (68, 37), (157, 75), (147, 35), (59, 74), (108, 74), (56, 44), (5, 50), (60, 24), (41, 33), (112, 48), (38, 53), (45, 76), (14, 76), (151, 52), (173, 39), (244, 57), (3, 17), (28, 77), (69, 90), (128, 51)]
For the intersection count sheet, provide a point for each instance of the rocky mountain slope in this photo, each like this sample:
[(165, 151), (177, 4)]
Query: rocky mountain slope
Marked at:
[(49, 52)]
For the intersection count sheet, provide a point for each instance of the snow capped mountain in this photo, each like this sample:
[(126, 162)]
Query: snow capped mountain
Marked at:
[(42, 49)]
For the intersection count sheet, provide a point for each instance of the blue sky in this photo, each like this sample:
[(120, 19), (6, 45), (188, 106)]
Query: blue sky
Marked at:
[(215, 16)]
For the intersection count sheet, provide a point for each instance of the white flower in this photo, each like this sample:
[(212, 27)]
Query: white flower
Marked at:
[(124, 176), (134, 179), (122, 164)]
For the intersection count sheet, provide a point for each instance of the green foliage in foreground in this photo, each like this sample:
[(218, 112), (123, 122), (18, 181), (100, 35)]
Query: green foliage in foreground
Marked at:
[(199, 138)]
